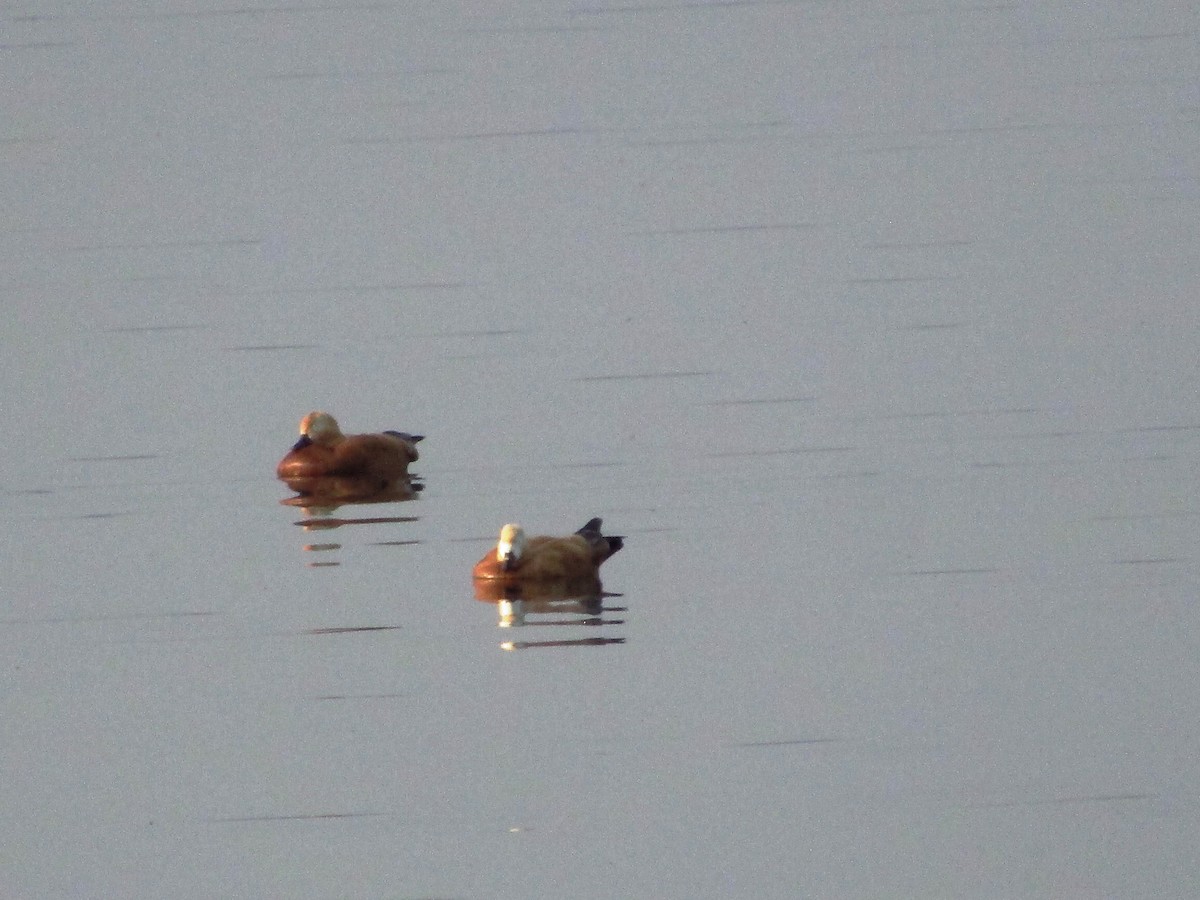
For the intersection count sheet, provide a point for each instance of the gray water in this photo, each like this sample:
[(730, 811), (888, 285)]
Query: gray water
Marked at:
[(871, 326)]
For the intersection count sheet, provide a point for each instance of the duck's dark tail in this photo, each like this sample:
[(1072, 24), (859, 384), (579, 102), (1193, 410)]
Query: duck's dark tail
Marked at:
[(405, 436), (591, 533)]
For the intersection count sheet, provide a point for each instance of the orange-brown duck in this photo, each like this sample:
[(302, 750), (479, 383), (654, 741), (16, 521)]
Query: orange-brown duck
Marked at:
[(323, 451), (518, 558)]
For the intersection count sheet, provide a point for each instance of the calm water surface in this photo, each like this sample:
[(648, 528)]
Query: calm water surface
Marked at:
[(870, 326)]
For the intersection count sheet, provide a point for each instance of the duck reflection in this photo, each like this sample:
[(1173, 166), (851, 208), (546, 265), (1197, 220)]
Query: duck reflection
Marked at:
[(570, 602), (319, 498), (328, 492)]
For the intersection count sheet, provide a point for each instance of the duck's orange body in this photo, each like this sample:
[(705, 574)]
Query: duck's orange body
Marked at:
[(517, 559), (323, 451)]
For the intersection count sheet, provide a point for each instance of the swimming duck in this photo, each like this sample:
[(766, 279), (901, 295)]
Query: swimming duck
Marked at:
[(323, 451), (518, 558)]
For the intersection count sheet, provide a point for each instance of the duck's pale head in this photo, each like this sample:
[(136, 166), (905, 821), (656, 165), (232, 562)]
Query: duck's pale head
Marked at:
[(320, 428), (511, 545)]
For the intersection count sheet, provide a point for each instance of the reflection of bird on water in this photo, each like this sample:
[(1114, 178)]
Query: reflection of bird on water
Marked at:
[(323, 451), (519, 559), (331, 492), (582, 642), (547, 591), (561, 596), (515, 613)]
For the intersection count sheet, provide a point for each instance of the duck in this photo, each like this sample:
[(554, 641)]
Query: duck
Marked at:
[(518, 558), (323, 451)]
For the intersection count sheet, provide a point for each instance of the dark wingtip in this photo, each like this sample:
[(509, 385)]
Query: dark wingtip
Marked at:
[(591, 531), (405, 436)]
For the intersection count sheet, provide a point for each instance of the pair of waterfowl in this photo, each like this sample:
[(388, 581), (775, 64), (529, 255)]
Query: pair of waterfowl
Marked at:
[(324, 452)]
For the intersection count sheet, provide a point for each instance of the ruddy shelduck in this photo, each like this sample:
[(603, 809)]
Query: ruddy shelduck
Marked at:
[(518, 558), (323, 451)]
